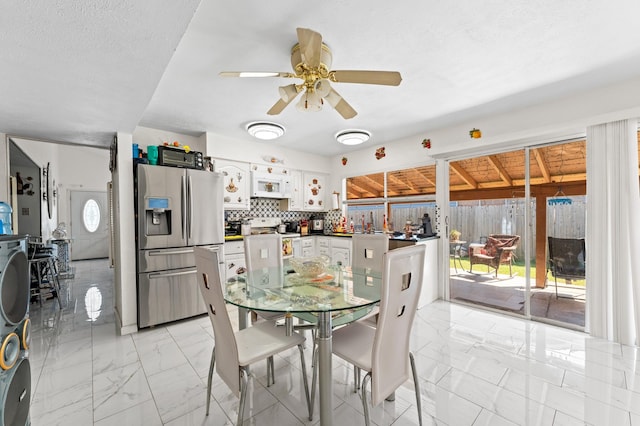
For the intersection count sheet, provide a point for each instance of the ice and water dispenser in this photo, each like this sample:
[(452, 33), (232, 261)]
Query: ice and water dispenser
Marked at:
[(157, 216)]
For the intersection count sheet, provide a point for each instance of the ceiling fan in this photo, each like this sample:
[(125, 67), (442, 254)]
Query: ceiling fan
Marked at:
[(311, 60)]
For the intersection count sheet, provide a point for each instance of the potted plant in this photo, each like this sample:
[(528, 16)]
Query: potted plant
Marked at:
[(454, 235)]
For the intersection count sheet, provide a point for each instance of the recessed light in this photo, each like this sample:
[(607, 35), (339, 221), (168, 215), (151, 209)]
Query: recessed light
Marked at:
[(352, 136), (265, 130)]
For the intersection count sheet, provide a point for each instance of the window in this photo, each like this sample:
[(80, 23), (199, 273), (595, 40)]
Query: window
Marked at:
[(91, 215)]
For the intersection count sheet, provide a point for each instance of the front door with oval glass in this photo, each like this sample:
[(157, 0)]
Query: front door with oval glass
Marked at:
[(89, 225)]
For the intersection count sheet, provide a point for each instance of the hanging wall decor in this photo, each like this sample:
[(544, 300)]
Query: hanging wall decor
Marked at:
[(380, 153), (344, 161), (426, 143), (475, 133)]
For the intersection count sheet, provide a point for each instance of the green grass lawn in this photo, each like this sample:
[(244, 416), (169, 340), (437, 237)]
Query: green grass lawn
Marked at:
[(517, 268)]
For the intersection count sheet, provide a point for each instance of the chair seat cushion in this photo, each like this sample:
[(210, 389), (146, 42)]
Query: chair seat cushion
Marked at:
[(354, 344), (263, 340)]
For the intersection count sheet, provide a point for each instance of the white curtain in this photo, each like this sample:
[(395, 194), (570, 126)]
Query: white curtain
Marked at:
[(613, 232)]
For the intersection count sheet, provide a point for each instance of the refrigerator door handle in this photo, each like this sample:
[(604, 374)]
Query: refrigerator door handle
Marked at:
[(183, 207), (172, 274), (165, 252), (190, 198)]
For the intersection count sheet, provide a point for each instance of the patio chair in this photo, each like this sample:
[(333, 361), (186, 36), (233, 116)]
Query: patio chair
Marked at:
[(498, 250), (567, 258)]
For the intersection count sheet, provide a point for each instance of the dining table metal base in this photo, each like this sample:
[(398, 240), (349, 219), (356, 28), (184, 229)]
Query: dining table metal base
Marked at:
[(325, 371)]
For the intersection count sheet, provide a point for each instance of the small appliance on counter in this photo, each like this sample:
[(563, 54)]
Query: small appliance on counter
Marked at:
[(233, 227), (317, 225), (292, 226)]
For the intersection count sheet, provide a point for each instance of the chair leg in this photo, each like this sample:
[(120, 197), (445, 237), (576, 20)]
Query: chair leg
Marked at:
[(243, 394), (356, 379), (363, 393), (416, 385), (314, 379), (305, 380), (269, 371), (209, 380)]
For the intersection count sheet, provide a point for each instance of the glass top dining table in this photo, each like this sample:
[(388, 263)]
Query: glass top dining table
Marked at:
[(339, 296)]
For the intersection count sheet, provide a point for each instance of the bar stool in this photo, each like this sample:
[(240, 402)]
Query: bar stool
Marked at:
[(44, 275)]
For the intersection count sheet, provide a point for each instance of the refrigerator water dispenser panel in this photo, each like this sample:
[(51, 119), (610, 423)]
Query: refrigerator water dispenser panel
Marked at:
[(158, 217)]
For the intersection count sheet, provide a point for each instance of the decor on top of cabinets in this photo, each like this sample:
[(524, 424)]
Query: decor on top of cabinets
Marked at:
[(236, 184), (475, 133), (380, 153), (274, 160), (270, 168)]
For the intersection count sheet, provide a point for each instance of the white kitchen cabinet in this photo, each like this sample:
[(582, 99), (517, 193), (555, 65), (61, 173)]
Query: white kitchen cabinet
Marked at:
[(429, 290), (341, 250), (295, 202), (237, 184), (314, 191), (323, 245), (308, 246), (234, 261)]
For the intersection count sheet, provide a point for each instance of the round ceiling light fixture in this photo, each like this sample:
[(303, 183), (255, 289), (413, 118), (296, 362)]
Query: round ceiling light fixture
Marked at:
[(352, 137), (265, 130)]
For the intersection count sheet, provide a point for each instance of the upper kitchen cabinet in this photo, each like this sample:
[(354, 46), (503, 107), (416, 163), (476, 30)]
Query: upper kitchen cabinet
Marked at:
[(296, 201), (237, 183), (314, 190)]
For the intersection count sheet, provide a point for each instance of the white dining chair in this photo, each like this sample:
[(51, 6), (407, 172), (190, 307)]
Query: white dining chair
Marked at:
[(367, 255), (234, 351), (383, 351), (368, 250)]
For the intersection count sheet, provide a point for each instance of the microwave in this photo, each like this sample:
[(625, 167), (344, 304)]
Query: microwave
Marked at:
[(177, 157), (270, 185)]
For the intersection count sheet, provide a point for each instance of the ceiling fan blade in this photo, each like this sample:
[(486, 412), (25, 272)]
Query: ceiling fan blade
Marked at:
[(387, 78), (310, 46), (281, 104), (255, 74), (340, 105)]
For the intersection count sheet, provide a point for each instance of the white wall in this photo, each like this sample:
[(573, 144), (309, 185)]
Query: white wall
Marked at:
[(223, 147), (145, 136), (549, 121), (72, 167)]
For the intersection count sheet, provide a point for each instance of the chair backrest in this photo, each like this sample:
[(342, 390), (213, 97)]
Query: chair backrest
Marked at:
[(401, 284), (227, 364), (263, 258), (568, 256), (368, 251), (496, 241)]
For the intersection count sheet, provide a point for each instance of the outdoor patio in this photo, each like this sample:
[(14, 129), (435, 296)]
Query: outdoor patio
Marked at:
[(507, 294)]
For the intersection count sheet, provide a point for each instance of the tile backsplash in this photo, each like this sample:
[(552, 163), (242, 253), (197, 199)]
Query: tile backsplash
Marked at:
[(267, 207)]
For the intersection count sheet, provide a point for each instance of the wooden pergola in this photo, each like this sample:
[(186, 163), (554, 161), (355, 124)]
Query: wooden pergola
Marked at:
[(499, 176)]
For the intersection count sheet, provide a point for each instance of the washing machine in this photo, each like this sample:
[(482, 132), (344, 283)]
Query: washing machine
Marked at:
[(15, 335)]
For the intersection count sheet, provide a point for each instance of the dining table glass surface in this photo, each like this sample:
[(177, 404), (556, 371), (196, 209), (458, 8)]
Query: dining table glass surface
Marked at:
[(344, 291)]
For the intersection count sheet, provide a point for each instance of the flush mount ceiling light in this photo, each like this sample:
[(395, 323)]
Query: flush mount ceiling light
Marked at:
[(265, 130), (352, 137)]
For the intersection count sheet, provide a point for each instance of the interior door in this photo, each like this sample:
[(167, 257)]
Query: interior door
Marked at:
[(89, 225)]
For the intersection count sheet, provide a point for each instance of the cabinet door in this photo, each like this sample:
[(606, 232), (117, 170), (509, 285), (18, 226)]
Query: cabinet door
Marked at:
[(314, 187), (234, 266), (341, 255), (236, 184)]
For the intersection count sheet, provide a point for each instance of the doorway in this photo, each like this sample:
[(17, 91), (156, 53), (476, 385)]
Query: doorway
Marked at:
[(532, 193), (89, 225)]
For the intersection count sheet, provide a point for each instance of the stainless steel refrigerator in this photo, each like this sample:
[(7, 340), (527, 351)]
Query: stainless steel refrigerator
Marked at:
[(176, 209)]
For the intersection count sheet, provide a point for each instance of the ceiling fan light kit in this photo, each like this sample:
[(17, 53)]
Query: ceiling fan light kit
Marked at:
[(352, 137), (311, 60), (265, 130)]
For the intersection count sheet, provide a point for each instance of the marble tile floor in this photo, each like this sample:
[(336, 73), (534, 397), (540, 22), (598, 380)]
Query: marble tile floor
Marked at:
[(475, 367)]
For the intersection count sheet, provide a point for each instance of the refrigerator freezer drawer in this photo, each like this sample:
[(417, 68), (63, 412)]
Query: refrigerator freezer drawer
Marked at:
[(165, 259), (168, 296)]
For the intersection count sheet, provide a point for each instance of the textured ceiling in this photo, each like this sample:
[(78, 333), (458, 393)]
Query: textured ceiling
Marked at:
[(79, 71)]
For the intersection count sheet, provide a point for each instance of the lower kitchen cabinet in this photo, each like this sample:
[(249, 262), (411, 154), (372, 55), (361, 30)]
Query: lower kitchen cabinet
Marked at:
[(234, 261)]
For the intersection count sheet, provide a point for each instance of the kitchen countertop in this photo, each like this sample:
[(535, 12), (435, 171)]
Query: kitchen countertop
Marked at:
[(240, 237), (391, 237)]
